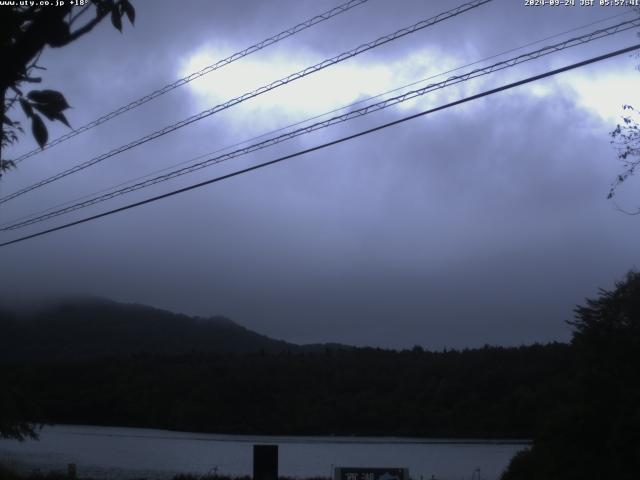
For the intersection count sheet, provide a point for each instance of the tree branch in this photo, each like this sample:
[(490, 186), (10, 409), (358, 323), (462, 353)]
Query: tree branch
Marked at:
[(85, 29), (622, 210), (79, 14)]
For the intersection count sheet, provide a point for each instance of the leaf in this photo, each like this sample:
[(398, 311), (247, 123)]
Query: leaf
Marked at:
[(26, 107), (39, 130), (116, 20), (51, 113), (61, 118), (128, 9), (7, 121), (49, 97), (45, 109), (7, 165)]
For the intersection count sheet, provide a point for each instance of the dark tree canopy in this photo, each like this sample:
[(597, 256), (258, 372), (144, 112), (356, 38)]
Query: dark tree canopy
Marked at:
[(14, 409), (597, 434), (76, 359), (24, 33), (610, 324)]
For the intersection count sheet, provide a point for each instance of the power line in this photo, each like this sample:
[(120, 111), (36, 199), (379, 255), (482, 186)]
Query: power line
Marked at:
[(597, 34), (328, 144), (315, 117), (189, 78), (266, 88)]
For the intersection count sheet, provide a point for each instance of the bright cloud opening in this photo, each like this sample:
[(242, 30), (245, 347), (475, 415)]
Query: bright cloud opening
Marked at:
[(602, 94), (336, 86), (606, 94), (356, 79)]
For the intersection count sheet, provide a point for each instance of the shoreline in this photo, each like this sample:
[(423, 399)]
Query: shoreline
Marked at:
[(156, 433)]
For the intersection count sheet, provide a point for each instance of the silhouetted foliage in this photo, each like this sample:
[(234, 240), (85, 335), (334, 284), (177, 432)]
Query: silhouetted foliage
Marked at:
[(491, 392), (626, 138), (10, 474), (15, 407), (597, 433), (25, 30), (16, 413), (99, 362)]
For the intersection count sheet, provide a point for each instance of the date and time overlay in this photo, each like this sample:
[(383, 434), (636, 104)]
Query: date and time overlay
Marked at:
[(526, 3), (582, 3)]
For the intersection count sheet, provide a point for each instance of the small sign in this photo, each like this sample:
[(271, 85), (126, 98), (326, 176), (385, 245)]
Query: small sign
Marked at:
[(364, 473)]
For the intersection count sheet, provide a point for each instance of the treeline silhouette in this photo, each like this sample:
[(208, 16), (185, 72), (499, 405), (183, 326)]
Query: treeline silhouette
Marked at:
[(103, 363), (595, 432), (491, 392)]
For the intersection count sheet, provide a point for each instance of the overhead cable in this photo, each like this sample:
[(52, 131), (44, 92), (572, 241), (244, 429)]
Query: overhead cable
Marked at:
[(266, 88), (327, 144), (193, 76), (309, 119), (598, 34)]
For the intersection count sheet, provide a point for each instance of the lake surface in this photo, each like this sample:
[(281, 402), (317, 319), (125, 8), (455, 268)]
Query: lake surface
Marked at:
[(124, 453)]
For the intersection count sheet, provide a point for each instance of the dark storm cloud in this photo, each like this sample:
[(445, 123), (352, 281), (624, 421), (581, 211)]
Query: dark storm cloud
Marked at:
[(480, 224)]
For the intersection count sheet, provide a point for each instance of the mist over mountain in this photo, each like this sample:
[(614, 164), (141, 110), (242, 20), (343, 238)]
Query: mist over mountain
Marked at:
[(84, 328)]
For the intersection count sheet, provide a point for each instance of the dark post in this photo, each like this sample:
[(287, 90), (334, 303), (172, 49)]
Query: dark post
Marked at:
[(265, 462)]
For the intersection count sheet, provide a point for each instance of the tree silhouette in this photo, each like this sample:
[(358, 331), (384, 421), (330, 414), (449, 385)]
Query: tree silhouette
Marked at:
[(24, 33), (607, 340), (14, 408), (626, 138), (25, 30), (597, 434)]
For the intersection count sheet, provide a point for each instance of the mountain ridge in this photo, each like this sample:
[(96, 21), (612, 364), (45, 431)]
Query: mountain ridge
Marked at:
[(93, 327)]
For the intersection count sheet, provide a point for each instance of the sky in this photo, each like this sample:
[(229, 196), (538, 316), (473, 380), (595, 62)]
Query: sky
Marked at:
[(484, 223)]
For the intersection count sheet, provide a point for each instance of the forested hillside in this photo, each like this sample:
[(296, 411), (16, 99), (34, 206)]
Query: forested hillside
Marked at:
[(488, 392), (90, 328)]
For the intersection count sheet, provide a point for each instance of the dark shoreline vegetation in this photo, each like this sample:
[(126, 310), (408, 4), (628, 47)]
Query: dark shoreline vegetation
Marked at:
[(486, 393), (7, 473), (139, 367), (102, 363)]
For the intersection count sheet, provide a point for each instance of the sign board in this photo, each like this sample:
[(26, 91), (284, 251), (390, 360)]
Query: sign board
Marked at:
[(364, 473)]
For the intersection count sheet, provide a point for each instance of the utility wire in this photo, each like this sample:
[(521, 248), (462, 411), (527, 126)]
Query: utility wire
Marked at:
[(309, 119), (208, 69), (328, 144), (266, 88), (598, 34), (315, 117)]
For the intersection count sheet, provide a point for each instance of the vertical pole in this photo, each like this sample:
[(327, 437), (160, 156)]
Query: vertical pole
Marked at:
[(72, 471), (265, 462)]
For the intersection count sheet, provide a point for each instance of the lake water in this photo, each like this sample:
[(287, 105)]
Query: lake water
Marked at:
[(122, 453)]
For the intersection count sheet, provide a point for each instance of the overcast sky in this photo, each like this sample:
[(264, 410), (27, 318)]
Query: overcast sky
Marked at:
[(482, 223)]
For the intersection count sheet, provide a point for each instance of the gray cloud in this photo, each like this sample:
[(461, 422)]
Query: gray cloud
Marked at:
[(480, 224)]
